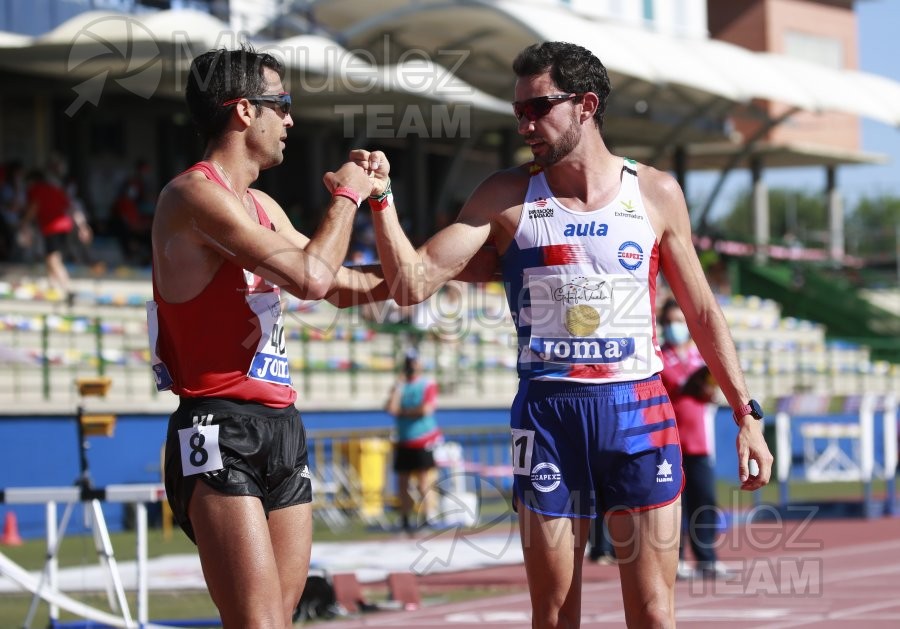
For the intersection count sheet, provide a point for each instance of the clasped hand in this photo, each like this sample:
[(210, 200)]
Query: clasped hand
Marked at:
[(366, 173)]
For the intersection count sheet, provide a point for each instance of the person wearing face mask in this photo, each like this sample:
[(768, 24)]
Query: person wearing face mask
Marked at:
[(690, 388)]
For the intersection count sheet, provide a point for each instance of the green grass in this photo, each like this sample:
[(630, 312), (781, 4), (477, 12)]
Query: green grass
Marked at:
[(187, 605), (731, 497), (78, 550)]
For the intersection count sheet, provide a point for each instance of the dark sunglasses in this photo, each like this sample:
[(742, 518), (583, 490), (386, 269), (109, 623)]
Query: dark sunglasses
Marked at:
[(537, 108), (282, 101)]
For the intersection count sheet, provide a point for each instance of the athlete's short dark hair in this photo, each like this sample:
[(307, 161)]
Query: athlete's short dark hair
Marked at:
[(573, 68), (221, 75)]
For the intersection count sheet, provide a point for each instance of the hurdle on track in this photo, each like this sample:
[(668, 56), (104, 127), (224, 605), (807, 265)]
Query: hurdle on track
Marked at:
[(46, 587), (838, 450)]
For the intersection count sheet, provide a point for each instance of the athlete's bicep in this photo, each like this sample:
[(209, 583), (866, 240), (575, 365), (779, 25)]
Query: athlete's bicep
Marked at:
[(483, 267), (446, 254), (678, 258), (451, 249)]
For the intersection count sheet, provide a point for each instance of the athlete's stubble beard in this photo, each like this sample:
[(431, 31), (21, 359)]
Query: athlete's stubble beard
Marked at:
[(563, 146)]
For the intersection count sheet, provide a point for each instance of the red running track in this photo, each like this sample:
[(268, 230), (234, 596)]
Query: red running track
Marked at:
[(823, 574)]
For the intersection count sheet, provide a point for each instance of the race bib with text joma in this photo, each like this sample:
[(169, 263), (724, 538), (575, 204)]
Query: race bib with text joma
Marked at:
[(573, 318)]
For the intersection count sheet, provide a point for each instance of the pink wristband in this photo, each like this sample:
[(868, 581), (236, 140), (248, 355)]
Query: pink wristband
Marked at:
[(347, 193)]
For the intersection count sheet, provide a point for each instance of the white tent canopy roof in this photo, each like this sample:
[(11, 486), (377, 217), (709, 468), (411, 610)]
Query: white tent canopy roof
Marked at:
[(699, 69), (351, 73), (137, 51), (694, 82), (708, 67)]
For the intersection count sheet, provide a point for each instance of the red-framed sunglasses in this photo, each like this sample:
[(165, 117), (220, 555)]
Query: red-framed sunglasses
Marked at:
[(282, 101), (538, 107)]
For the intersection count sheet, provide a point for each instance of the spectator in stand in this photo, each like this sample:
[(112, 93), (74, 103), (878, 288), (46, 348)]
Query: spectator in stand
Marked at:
[(412, 402), (132, 215), (13, 201), (81, 250), (690, 388), (50, 206)]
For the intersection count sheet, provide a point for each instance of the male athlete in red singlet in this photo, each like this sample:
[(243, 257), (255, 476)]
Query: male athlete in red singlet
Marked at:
[(236, 460)]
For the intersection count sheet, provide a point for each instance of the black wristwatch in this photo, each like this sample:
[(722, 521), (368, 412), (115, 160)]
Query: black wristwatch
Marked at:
[(751, 408)]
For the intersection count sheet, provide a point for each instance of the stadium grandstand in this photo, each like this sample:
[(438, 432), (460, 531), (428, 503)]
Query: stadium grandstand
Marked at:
[(690, 96)]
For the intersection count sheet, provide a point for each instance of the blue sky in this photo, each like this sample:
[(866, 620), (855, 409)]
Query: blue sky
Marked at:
[(879, 53)]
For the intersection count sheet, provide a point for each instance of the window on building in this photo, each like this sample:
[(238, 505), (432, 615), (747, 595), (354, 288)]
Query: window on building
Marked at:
[(819, 49)]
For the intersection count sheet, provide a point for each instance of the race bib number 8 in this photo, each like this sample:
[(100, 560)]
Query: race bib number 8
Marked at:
[(200, 449)]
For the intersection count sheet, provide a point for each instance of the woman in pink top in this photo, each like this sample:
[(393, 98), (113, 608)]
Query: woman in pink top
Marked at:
[(690, 387)]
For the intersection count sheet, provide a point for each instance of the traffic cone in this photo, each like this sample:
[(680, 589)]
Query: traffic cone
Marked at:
[(11, 535)]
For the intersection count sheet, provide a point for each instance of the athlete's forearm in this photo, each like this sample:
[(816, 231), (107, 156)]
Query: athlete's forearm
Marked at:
[(355, 286), (403, 267), (327, 249), (714, 341)]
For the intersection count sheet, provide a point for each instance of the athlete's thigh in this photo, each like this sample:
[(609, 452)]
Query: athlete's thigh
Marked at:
[(236, 555), (290, 530), (553, 548), (646, 545)]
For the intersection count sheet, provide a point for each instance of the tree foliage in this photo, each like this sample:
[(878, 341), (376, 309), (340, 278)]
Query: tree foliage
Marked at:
[(792, 214), (870, 227)]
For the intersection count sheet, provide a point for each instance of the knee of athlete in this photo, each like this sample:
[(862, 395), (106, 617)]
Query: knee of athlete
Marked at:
[(549, 616), (290, 600), (555, 604), (655, 614)]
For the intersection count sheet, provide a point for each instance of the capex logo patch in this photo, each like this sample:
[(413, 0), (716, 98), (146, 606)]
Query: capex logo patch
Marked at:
[(545, 477), (630, 255)]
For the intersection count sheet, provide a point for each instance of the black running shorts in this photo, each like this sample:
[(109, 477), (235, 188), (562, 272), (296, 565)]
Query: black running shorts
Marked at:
[(237, 448), (412, 459)]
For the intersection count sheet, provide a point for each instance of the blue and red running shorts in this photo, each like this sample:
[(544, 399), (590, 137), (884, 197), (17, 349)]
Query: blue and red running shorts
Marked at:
[(584, 449)]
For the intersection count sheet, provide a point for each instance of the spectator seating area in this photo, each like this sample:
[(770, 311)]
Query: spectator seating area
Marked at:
[(783, 355), (464, 334)]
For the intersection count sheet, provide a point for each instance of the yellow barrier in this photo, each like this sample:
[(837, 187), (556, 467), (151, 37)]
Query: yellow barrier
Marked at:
[(98, 425), (369, 459)]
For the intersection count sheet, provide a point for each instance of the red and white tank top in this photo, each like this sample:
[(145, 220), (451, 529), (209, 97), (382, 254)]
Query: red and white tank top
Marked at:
[(229, 340)]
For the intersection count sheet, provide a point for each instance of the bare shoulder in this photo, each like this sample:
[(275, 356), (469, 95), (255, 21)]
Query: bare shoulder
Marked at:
[(507, 186), (499, 194), (183, 262), (187, 192), (663, 199), (657, 186), (264, 198), (273, 210)]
